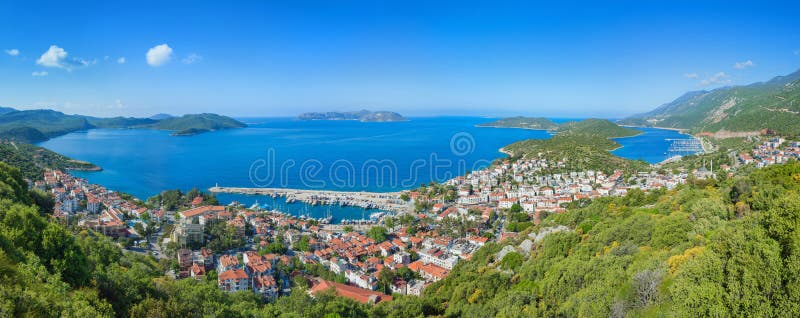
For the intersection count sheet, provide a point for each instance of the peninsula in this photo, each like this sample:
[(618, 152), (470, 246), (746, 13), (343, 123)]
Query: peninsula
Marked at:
[(362, 116)]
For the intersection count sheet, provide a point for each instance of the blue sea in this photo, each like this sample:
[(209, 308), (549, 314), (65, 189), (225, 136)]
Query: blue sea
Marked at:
[(287, 153)]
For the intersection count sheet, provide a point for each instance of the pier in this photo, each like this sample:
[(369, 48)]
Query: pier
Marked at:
[(387, 201)]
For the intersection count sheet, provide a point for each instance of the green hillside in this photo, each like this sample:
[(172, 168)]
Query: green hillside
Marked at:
[(522, 122), (578, 152), (596, 127), (32, 160), (773, 105)]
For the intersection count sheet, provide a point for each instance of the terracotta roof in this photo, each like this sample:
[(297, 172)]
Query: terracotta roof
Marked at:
[(233, 274), (358, 294), (202, 210)]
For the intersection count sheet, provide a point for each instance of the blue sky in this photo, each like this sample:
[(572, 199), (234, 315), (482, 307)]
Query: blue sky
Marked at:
[(565, 59)]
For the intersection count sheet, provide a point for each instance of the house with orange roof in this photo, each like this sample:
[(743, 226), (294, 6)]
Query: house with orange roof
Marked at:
[(233, 280), (364, 296)]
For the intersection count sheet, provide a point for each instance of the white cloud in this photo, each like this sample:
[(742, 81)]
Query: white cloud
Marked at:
[(121, 60), (159, 55), (12, 52), (192, 58), (718, 78), (690, 75), (118, 104), (57, 57), (743, 65), (39, 74), (54, 57)]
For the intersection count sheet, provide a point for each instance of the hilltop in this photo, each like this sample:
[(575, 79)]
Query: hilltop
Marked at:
[(362, 116), (42, 124), (536, 123), (596, 127), (732, 111)]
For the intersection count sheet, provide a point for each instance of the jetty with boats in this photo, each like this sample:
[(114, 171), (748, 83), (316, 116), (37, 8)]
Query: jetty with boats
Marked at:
[(386, 201)]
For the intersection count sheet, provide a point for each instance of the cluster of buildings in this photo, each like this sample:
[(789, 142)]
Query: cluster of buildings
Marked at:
[(524, 183), (424, 249), (773, 151), (352, 255), (93, 205)]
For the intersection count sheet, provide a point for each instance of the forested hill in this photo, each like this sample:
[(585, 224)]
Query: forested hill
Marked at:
[(597, 128), (773, 105), (42, 124), (726, 249), (196, 123)]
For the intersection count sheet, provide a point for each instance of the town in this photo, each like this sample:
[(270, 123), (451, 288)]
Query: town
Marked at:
[(269, 252)]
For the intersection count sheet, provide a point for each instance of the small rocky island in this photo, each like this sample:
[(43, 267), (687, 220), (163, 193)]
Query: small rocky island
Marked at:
[(362, 116)]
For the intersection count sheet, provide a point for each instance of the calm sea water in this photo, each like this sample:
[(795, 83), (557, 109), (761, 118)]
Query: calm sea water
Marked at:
[(283, 152)]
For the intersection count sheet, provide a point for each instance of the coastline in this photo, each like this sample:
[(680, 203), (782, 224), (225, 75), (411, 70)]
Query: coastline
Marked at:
[(680, 130), (508, 127)]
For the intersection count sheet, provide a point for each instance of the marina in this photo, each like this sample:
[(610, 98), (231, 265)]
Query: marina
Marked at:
[(385, 201)]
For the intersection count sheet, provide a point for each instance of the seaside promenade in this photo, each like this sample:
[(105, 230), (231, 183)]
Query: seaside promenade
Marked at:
[(387, 201)]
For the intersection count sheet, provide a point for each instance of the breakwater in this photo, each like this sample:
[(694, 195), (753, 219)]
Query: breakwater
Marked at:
[(387, 201)]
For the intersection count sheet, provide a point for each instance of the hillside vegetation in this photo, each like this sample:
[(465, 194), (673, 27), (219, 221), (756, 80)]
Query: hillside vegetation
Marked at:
[(577, 152), (32, 160), (773, 105), (596, 127), (583, 145)]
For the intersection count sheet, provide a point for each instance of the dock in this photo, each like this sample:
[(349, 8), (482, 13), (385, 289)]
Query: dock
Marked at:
[(387, 201)]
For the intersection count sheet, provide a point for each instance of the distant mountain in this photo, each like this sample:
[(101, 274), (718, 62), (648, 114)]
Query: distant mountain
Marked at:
[(772, 105), (38, 125), (596, 127), (522, 122), (362, 115), (41, 124), (4, 110), (196, 123), (160, 116)]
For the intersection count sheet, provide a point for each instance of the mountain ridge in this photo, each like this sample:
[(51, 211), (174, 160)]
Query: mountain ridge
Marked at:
[(769, 106), (41, 124)]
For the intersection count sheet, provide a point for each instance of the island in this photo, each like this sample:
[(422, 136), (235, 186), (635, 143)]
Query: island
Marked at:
[(32, 126), (535, 123), (362, 116)]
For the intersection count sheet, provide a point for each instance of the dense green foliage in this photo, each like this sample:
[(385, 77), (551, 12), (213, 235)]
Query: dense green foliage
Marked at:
[(32, 160), (522, 122), (774, 105)]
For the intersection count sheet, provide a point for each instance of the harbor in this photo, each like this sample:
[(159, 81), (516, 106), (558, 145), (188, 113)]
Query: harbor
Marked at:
[(384, 201)]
